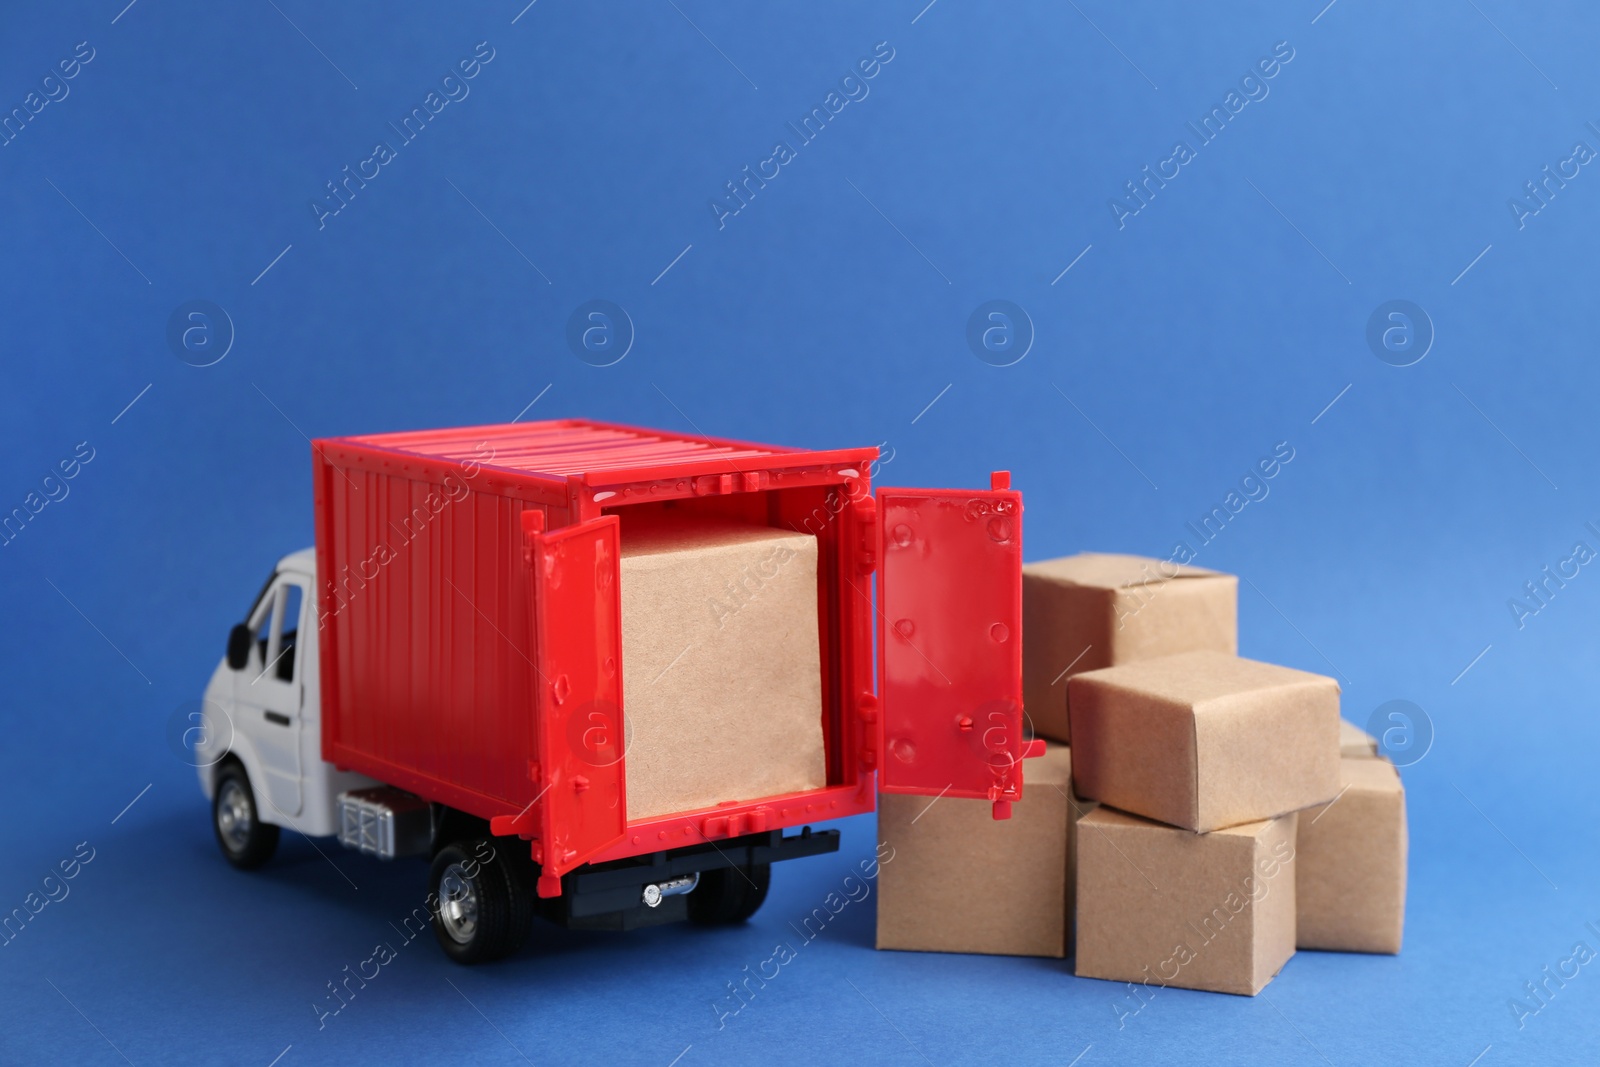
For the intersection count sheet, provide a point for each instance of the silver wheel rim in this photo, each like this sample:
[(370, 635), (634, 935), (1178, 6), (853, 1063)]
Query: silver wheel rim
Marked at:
[(458, 904), (234, 817)]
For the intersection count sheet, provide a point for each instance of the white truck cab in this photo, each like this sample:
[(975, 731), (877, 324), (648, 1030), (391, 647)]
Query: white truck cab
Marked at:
[(262, 713)]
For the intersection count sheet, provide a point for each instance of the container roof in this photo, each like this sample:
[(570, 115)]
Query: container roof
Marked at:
[(561, 448)]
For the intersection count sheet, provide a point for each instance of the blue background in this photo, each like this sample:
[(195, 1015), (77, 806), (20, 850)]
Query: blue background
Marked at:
[(1221, 319)]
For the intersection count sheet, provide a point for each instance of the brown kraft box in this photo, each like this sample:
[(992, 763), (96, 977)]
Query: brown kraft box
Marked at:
[(1205, 740), (1166, 907), (721, 664), (954, 879), (1081, 806), (1351, 870), (1093, 610), (1354, 741)]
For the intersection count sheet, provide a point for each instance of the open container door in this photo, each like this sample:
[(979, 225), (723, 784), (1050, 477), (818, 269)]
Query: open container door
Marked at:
[(950, 643), (577, 626)]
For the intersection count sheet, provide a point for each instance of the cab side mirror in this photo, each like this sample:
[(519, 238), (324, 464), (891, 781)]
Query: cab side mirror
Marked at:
[(240, 638)]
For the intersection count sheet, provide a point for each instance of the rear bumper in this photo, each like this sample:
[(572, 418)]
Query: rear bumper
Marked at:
[(730, 822), (597, 889)]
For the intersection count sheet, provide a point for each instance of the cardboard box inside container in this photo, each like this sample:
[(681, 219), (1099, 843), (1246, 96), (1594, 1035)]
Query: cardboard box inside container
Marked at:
[(1351, 863), (721, 663), (1205, 740), (953, 879), (1084, 612), (1356, 742), (1165, 907)]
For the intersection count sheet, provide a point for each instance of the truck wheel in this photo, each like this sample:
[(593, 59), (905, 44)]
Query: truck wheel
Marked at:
[(729, 895), (481, 911), (246, 841)]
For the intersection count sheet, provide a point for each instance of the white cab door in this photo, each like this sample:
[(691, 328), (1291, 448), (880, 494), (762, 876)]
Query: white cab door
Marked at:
[(270, 695)]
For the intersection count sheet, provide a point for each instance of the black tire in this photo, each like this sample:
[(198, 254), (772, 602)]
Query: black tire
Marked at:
[(520, 889), (729, 895), (481, 909), (245, 840)]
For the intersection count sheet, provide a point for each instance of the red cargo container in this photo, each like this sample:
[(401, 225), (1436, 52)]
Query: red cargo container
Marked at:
[(471, 641)]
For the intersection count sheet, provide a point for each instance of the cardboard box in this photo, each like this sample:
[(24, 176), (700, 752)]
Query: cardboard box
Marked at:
[(953, 879), (1166, 907), (1084, 612), (721, 664), (1079, 807), (1356, 742), (1351, 863), (1205, 740)]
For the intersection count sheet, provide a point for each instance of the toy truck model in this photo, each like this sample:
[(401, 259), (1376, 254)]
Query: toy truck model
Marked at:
[(462, 699)]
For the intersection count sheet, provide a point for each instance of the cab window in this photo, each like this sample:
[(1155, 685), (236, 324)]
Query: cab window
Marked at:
[(292, 597), (277, 628)]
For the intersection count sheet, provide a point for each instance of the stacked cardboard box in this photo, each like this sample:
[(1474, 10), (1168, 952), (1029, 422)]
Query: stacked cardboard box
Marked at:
[(1354, 741), (952, 879), (1093, 610), (1241, 819), (1218, 812), (1350, 860), (1201, 761), (1163, 906)]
